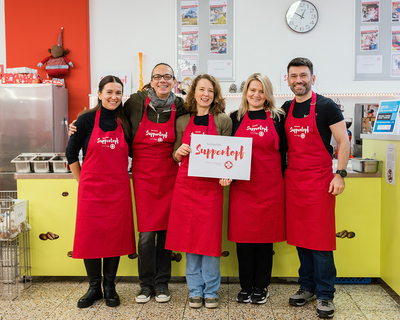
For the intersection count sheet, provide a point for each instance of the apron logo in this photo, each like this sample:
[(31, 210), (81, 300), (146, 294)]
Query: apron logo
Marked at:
[(197, 132), (108, 142), (261, 130), (157, 135), (299, 131)]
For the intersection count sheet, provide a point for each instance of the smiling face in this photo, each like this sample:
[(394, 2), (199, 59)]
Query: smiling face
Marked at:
[(255, 95), (204, 96), (300, 80), (111, 95), (162, 87)]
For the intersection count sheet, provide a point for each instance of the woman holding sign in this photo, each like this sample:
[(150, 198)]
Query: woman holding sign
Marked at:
[(257, 207), (195, 220)]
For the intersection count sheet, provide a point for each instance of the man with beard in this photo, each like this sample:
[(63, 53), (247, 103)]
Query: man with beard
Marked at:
[(311, 185)]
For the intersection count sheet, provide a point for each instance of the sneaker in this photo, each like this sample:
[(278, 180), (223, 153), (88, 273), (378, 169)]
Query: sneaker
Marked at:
[(259, 296), (211, 303), (143, 296), (162, 294), (301, 297), (243, 296), (325, 308), (195, 302)]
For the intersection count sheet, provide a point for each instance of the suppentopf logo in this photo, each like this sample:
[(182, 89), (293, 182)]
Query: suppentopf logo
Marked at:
[(157, 135), (212, 151), (108, 142), (299, 131), (257, 129)]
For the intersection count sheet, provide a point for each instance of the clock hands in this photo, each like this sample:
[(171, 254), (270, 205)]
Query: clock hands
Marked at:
[(301, 16)]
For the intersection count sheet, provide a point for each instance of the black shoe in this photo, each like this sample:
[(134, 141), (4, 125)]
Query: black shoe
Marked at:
[(111, 296), (259, 296), (243, 296), (90, 297)]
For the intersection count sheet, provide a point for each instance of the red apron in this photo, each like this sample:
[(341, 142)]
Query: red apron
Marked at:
[(195, 221), (154, 171), (310, 209), (257, 207), (104, 219)]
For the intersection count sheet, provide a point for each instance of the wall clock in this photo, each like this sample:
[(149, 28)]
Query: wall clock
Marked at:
[(302, 16)]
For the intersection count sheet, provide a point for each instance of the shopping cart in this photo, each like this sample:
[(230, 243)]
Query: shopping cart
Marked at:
[(15, 262)]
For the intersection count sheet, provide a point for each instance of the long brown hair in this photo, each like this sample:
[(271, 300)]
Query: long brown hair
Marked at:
[(120, 112), (218, 104)]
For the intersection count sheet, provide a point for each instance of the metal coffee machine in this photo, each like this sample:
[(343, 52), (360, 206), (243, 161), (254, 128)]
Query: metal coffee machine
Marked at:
[(364, 120)]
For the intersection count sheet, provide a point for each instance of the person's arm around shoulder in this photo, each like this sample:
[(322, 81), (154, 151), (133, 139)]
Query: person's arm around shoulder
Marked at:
[(339, 132), (180, 150), (223, 124)]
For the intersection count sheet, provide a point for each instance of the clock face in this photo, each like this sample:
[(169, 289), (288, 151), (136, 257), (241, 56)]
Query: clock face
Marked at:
[(302, 16)]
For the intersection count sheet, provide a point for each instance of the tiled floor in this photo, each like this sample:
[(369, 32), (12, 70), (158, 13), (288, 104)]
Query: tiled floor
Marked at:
[(56, 297)]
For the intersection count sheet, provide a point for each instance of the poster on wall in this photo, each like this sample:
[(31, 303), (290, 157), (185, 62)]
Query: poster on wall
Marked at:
[(395, 38), (369, 38), (390, 164), (189, 13), (218, 41), (189, 65), (387, 119), (369, 11), (218, 12), (369, 64), (190, 39), (395, 65), (395, 11)]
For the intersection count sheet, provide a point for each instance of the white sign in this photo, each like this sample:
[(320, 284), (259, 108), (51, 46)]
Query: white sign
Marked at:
[(125, 77), (220, 68), (19, 212), (369, 64), (220, 157), (390, 164)]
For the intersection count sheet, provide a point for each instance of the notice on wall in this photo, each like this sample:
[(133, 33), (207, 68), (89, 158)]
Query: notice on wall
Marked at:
[(189, 13), (218, 12), (390, 164), (395, 65), (369, 64), (220, 68), (189, 65), (370, 11), (387, 119), (220, 157), (369, 38)]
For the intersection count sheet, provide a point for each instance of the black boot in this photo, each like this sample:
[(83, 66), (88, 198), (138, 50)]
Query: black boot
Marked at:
[(93, 269), (110, 267)]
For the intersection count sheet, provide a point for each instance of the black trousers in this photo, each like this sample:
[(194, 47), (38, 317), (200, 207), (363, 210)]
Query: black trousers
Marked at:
[(255, 265)]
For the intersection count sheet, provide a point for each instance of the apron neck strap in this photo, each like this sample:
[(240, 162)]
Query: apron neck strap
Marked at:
[(271, 125)]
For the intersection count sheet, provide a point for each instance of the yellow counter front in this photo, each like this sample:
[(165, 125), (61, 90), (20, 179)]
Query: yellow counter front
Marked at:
[(52, 202)]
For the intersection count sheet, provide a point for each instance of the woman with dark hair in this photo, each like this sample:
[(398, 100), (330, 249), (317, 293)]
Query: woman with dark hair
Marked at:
[(257, 207), (104, 219), (195, 221), (152, 113)]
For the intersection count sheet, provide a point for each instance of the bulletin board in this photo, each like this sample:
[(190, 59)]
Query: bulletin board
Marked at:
[(377, 40), (205, 39)]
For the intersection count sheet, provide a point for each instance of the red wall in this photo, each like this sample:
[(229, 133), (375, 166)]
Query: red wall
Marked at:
[(32, 27)]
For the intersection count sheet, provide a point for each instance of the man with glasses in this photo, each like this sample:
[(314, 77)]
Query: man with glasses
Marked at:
[(152, 113)]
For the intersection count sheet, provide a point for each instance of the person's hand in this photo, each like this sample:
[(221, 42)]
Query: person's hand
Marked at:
[(183, 150), (71, 128), (337, 185), (225, 182)]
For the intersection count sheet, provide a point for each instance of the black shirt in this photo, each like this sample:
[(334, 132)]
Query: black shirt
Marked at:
[(84, 125), (326, 111), (279, 125)]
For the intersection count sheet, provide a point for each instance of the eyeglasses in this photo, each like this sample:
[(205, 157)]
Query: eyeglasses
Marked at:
[(165, 76)]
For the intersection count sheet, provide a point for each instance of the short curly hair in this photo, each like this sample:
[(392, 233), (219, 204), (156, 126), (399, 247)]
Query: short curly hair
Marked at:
[(218, 104)]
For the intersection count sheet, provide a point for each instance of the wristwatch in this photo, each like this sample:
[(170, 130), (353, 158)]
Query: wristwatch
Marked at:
[(343, 173)]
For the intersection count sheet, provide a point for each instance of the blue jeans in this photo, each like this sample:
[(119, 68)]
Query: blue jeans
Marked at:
[(317, 272), (154, 263), (203, 276)]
